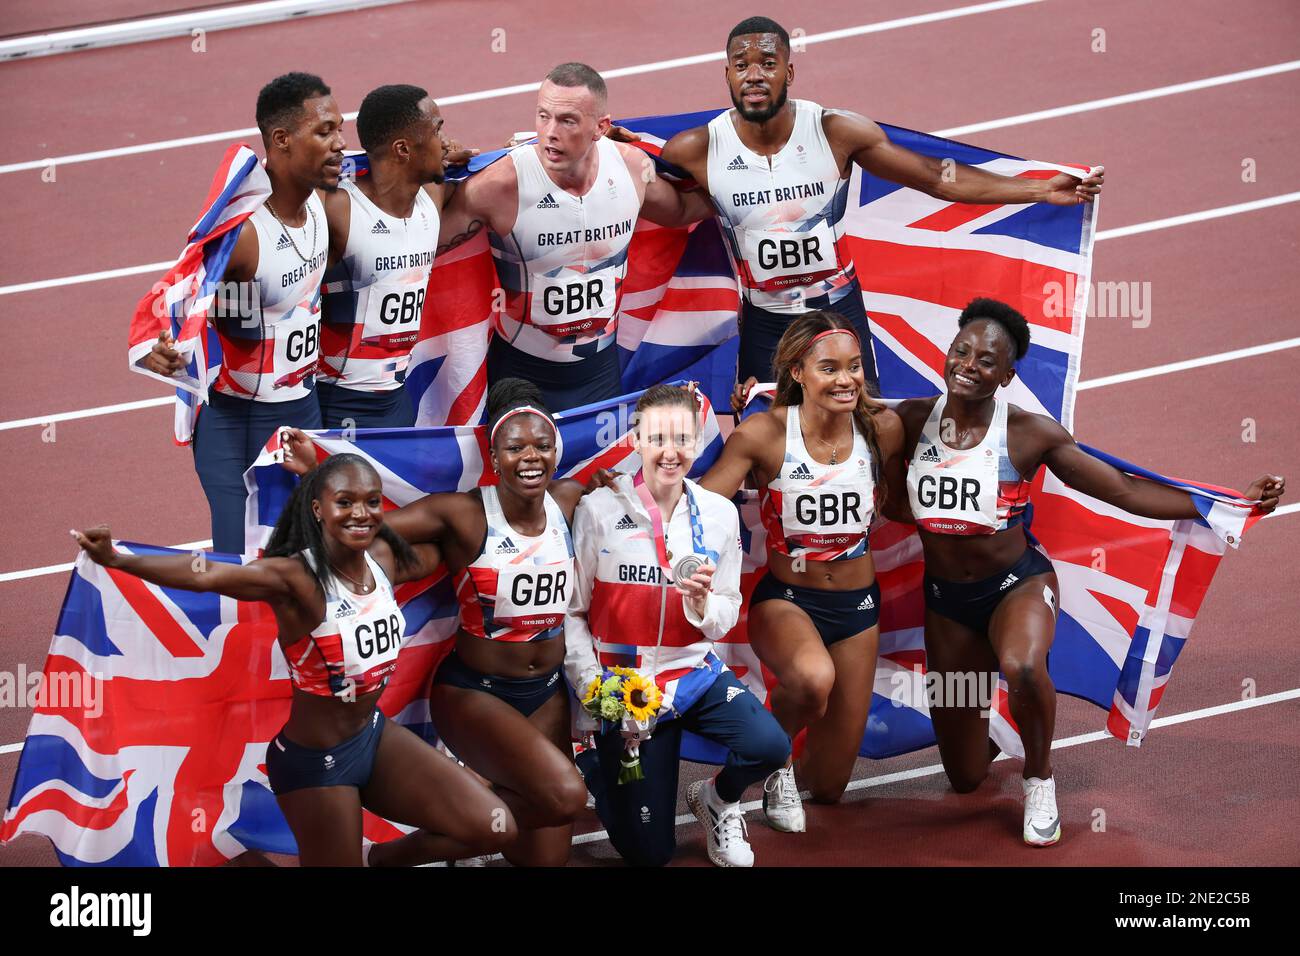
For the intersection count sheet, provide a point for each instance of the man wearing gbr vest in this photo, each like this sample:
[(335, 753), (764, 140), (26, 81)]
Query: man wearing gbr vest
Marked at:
[(560, 214), (268, 321), (778, 171)]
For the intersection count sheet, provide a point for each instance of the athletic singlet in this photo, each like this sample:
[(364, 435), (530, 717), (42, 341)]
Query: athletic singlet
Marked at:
[(374, 295), (270, 343), (782, 214), (562, 265), (968, 491), (518, 587), (815, 511), (353, 650)]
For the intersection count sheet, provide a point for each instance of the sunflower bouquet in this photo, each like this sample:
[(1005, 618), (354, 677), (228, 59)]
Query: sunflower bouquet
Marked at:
[(619, 695)]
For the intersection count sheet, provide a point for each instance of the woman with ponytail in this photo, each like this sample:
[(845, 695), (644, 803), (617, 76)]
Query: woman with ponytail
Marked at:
[(499, 699), (817, 458), (328, 575)]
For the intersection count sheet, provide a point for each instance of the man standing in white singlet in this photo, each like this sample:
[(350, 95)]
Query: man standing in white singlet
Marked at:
[(778, 171), (267, 316), (560, 215), (383, 236)]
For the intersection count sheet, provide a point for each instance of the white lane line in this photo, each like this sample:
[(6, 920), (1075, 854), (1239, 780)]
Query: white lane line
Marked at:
[(11, 748), (61, 568), (181, 24), (154, 267), (1217, 213), (933, 769), (1121, 100), (716, 56), (1170, 367), (41, 421), (1284, 510)]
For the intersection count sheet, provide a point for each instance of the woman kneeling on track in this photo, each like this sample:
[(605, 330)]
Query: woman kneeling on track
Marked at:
[(991, 598), (328, 575), (814, 617), (499, 699), (653, 594)]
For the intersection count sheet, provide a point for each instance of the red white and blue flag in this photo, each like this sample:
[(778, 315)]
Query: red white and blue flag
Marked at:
[(172, 768), (181, 301)]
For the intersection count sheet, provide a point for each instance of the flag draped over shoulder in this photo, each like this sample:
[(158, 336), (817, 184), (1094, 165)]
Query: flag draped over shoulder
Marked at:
[(181, 301)]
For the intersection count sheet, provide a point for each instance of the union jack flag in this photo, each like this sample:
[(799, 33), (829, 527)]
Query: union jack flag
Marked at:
[(181, 301)]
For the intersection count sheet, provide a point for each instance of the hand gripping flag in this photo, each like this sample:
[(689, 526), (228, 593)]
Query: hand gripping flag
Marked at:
[(181, 301)]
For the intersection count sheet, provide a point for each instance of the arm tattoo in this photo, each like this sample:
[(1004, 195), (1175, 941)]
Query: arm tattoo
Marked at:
[(473, 229)]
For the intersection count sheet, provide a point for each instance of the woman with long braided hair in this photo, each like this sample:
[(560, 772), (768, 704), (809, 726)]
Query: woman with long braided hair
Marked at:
[(328, 575), (817, 458)]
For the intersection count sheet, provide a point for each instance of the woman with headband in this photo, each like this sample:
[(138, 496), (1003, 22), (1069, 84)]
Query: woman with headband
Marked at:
[(991, 597), (816, 458), (658, 583), (498, 699)]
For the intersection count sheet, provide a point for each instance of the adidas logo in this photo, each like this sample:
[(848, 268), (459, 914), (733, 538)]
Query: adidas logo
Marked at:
[(789, 595), (625, 523), (867, 604), (507, 547), (344, 610), (931, 454), (284, 242), (548, 202), (329, 761), (801, 472), (1011, 579), (737, 163), (379, 229), (733, 693)]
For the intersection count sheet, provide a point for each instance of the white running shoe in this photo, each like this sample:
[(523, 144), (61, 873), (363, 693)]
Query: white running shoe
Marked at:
[(724, 825), (781, 803), (1042, 822)]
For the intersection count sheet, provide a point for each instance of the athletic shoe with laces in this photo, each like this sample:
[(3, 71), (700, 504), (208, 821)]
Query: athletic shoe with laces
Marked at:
[(781, 803), (724, 825), (1042, 822)]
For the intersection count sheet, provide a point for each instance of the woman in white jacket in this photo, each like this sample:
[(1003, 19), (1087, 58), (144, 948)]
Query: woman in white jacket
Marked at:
[(654, 594)]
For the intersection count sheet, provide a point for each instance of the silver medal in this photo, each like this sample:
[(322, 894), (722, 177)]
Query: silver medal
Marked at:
[(686, 566)]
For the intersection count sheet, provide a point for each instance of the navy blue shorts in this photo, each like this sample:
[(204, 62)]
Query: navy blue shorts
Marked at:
[(228, 438), (524, 694), (835, 614), (972, 603), (761, 330), (290, 766), (343, 407), (564, 385)]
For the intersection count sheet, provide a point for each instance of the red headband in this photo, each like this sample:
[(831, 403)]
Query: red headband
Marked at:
[(822, 335)]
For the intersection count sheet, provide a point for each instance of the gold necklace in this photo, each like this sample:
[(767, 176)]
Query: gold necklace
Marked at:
[(365, 588), (293, 242), (835, 448)]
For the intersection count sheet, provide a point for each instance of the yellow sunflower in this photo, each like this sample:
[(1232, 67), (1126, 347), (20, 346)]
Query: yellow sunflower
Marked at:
[(592, 690), (623, 671), (641, 697)]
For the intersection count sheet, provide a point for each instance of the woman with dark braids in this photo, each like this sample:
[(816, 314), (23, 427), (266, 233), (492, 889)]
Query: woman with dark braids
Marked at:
[(499, 700), (991, 597), (817, 457), (328, 575)]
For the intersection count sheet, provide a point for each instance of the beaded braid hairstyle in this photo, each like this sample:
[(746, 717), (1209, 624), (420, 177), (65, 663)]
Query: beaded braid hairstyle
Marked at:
[(795, 347), (299, 530)]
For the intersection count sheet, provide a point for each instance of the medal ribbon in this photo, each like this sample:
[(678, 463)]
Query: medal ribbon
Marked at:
[(656, 519)]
